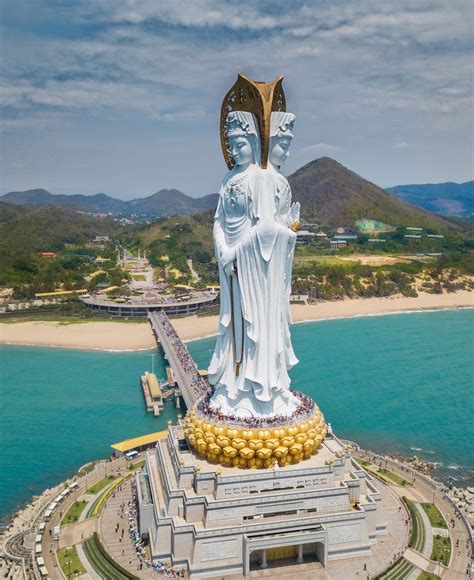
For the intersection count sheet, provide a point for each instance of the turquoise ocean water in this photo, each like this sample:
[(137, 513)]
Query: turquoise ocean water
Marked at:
[(401, 383)]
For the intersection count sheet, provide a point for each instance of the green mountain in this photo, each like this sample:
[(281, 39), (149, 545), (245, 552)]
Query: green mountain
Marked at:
[(162, 203), (329, 193), (24, 233), (450, 199), (332, 195)]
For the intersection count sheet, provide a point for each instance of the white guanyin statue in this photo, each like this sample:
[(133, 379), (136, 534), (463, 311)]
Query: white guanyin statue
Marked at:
[(254, 245)]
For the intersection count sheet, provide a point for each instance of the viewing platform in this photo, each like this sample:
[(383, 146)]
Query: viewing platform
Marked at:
[(152, 393), (185, 372)]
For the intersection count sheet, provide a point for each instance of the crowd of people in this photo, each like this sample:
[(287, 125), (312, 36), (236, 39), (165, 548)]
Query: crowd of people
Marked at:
[(197, 383), (304, 409), (130, 510)]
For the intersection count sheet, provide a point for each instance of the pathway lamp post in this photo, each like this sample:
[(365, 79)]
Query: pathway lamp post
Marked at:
[(69, 568)]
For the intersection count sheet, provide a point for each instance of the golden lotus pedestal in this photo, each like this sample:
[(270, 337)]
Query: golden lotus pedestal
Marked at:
[(263, 447)]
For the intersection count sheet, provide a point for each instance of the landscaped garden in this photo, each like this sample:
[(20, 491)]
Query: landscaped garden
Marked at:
[(441, 549), (68, 559), (73, 513), (100, 485), (436, 517)]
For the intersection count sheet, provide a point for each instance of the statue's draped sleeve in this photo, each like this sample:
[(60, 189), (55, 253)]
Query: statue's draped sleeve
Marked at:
[(220, 246), (264, 212)]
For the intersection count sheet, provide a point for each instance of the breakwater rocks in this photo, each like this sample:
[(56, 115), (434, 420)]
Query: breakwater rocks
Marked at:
[(464, 499), (17, 536)]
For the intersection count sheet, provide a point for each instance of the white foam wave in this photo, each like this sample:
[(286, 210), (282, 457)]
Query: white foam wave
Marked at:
[(391, 313)]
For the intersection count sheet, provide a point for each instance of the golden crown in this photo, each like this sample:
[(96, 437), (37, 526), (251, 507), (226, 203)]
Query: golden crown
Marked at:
[(255, 97)]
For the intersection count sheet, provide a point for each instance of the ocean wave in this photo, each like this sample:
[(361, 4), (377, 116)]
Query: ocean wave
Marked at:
[(391, 313), (87, 348)]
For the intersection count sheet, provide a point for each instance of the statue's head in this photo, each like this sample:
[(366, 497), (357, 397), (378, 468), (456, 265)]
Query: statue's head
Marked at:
[(243, 138), (281, 134)]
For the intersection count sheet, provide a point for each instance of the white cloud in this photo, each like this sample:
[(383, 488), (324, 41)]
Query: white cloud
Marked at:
[(355, 71), (402, 145), (318, 149)]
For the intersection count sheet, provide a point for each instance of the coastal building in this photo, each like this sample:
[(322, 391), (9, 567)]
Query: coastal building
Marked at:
[(140, 443), (304, 237), (47, 254), (222, 520), (338, 244), (140, 306), (101, 241), (349, 237), (321, 236)]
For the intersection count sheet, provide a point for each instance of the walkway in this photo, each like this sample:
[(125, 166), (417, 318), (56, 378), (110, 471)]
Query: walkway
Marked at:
[(190, 383), (114, 535), (195, 276), (423, 490), (74, 534)]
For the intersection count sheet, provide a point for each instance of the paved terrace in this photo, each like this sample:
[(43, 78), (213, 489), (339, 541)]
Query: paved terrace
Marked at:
[(140, 306), (190, 383)]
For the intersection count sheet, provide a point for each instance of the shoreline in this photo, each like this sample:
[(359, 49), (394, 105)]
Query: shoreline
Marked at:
[(115, 336)]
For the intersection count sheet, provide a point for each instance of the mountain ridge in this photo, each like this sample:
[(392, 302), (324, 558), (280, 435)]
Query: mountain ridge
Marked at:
[(161, 203), (448, 198), (330, 194)]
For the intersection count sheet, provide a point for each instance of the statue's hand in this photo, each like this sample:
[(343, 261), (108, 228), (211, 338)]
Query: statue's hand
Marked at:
[(294, 217), (227, 261)]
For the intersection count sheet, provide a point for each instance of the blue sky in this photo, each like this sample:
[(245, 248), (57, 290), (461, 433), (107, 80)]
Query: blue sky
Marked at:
[(123, 96)]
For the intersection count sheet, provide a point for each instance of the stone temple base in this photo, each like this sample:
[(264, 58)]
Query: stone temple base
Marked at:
[(219, 521)]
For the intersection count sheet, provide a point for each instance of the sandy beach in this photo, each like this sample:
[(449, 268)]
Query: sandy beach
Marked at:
[(130, 336)]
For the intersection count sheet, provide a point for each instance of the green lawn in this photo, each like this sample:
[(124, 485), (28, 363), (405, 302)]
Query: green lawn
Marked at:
[(137, 465), (100, 484), (363, 462), (427, 576), (441, 549), (69, 562), (436, 518), (319, 260), (394, 477), (73, 513)]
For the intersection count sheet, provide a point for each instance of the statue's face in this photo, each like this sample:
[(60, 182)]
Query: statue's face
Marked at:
[(279, 150), (241, 150)]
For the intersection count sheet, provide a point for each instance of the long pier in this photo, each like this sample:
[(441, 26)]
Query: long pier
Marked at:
[(185, 372)]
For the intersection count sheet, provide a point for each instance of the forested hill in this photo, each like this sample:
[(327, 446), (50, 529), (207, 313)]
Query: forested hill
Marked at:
[(332, 195), (452, 199)]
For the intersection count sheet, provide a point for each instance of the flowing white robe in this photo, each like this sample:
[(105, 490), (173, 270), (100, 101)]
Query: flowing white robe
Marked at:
[(246, 219)]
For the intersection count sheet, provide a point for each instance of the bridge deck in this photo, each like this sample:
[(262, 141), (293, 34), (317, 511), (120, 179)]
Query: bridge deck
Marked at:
[(190, 383)]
